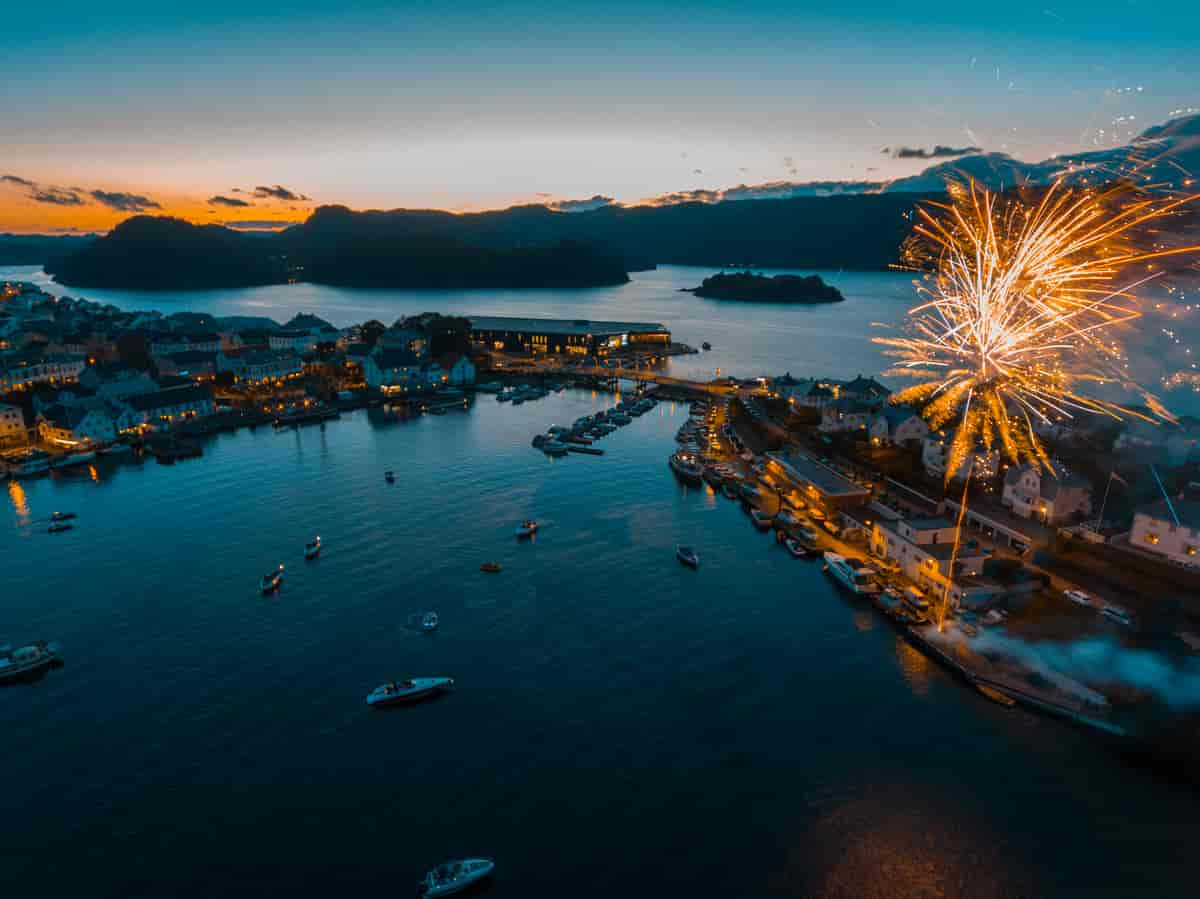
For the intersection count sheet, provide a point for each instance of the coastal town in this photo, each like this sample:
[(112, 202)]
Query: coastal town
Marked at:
[(1108, 542)]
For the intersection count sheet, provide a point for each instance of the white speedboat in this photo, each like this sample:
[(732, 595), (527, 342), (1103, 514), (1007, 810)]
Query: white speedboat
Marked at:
[(852, 574), (527, 528), (270, 581), (456, 876), (312, 550), (27, 659), (687, 556), (411, 690)]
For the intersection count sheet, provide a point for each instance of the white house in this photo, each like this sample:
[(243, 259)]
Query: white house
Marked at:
[(24, 369), (922, 547), (845, 415), (1044, 496), (1170, 531), (112, 382), (897, 426), (165, 407), (398, 371), (70, 426), (935, 452)]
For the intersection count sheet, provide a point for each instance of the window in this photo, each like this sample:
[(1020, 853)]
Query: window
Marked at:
[(1152, 538), (1190, 550)]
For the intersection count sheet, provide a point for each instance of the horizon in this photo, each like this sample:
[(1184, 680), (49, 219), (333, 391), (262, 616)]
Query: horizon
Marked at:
[(237, 115)]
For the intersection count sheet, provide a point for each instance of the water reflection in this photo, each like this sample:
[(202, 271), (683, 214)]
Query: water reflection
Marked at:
[(20, 504), (915, 666)]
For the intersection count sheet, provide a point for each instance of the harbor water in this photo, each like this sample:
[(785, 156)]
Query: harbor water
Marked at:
[(622, 725)]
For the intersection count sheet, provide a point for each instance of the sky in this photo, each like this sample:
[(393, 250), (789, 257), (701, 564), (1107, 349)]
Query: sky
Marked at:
[(117, 108)]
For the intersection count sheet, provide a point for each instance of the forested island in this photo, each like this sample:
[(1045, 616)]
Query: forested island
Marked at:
[(763, 289)]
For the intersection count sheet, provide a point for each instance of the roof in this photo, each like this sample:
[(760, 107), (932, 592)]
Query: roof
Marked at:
[(897, 415), (819, 390), (176, 396), (934, 523), (66, 417), (578, 326), (1188, 511), (865, 385), (1049, 483), (826, 480), (395, 358)]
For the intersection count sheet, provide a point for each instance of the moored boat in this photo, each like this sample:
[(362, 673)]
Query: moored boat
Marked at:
[(456, 876), (853, 574), (686, 468), (761, 519), (411, 690), (270, 581), (27, 464), (77, 458), (27, 659), (797, 549), (687, 556)]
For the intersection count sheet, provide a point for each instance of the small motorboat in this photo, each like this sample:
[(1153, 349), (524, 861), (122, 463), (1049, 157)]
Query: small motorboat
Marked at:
[(62, 516), (390, 477), (706, 345), (687, 556), (312, 550), (59, 526), (27, 659), (490, 567), (797, 550), (411, 690), (270, 582), (761, 519), (527, 528), (430, 621), (456, 876)]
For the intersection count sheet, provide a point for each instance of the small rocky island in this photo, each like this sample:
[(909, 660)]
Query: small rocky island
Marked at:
[(760, 288)]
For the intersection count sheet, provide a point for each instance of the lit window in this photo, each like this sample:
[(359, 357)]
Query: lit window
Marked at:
[(1152, 539), (1190, 550)]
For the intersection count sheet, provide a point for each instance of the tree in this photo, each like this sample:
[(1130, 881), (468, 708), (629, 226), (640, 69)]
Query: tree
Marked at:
[(371, 331)]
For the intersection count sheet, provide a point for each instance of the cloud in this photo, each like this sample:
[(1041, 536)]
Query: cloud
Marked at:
[(13, 179), (278, 192), (228, 201), (55, 196), (596, 202), (124, 202), (771, 190), (938, 152), (260, 224)]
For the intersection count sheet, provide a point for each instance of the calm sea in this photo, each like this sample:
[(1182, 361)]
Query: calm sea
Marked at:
[(622, 726)]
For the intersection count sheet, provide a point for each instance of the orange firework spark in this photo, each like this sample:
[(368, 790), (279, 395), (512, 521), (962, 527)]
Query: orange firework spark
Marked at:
[(1020, 313)]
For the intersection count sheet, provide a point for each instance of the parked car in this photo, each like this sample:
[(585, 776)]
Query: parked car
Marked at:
[(1079, 597), (1119, 615)]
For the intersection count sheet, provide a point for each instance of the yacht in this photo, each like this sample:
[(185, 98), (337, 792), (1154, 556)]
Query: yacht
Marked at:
[(411, 690), (687, 556), (27, 659), (686, 468), (456, 876), (312, 550), (527, 528), (852, 574), (270, 581)]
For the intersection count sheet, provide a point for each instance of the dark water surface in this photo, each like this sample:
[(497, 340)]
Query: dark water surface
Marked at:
[(623, 726)]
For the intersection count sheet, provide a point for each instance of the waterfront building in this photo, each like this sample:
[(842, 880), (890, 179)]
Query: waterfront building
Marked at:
[(12, 426), (1045, 496), (457, 370), (164, 407), (897, 426), (1169, 530), (410, 340), (815, 482), (401, 371), (257, 366), (982, 464), (923, 547), (199, 365), (166, 344), (76, 425), (555, 336)]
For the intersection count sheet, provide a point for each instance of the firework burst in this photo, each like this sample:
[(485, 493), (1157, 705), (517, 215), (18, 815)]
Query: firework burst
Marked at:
[(1020, 316)]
